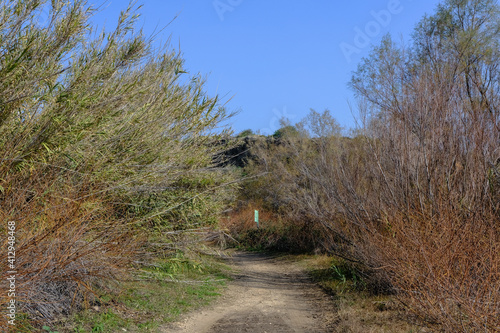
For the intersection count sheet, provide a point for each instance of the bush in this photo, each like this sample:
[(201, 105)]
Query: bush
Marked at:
[(274, 232), (413, 195), (93, 133)]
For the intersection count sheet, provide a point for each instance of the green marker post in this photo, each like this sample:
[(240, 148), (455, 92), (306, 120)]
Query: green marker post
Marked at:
[(257, 218)]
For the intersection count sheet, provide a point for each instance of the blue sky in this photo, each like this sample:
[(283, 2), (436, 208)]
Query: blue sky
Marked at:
[(277, 57)]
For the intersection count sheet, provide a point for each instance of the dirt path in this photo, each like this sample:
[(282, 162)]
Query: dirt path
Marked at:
[(267, 295)]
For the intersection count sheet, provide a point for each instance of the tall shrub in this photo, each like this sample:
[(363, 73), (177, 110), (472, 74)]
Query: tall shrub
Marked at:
[(101, 137)]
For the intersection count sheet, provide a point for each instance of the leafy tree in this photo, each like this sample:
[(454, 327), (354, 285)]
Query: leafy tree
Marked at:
[(319, 125), (245, 133), (286, 132)]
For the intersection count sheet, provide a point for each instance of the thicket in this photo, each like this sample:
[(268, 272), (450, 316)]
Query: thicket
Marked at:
[(106, 148), (412, 197)]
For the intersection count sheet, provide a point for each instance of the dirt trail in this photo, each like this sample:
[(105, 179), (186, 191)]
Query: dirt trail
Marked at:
[(267, 295)]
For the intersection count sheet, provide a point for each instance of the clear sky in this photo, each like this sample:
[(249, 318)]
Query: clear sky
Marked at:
[(275, 57)]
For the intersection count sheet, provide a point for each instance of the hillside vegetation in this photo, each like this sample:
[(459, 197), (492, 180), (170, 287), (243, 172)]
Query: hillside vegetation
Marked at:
[(411, 198), (113, 163), (94, 130)]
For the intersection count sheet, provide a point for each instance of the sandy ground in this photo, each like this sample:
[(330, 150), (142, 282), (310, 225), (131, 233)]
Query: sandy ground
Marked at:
[(267, 295)]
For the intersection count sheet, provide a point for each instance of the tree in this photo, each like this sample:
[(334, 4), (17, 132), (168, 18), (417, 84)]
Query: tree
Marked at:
[(245, 133), (319, 124), (94, 130), (433, 132), (285, 132)]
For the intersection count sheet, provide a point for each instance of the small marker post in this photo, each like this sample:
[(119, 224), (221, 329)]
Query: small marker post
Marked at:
[(257, 218)]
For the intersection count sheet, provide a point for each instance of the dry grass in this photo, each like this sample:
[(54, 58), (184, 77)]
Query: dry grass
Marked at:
[(275, 232), (358, 310)]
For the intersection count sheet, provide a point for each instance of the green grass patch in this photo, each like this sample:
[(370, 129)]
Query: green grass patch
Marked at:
[(337, 277), (157, 294)]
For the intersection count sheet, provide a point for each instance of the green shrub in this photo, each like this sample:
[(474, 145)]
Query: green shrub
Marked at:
[(94, 130)]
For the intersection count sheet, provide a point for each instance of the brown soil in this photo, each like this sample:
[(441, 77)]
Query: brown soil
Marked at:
[(268, 294)]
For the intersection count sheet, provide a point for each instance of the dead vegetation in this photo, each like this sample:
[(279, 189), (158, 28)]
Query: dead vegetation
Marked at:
[(411, 197), (94, 130)]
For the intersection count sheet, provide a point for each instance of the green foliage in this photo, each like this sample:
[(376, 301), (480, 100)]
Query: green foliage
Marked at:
[(319, 125), (111, 141), (179, 266), (245, 133), (46, 328), (160, 292), (285, 132), (340, 277), (106, 321)]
